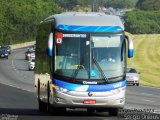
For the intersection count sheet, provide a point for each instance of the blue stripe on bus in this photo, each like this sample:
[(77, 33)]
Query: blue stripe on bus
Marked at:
[(90, 28), (90, 88)]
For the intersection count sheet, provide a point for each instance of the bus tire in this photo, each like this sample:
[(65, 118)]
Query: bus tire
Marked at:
[(60, 110), (90, 110), (49, 107), (113, 111), (56, 111), (41, 105)]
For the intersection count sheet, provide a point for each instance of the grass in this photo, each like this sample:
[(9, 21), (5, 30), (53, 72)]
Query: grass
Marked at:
[(147, 58)]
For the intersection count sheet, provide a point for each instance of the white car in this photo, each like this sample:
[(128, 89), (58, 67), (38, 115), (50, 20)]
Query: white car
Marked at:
[(32, 55), (132, 76), (31, 64)]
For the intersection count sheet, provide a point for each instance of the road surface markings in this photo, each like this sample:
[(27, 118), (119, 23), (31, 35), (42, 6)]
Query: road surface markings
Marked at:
[(148, 100), (150, 87)]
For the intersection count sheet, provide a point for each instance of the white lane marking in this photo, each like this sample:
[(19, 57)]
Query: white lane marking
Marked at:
[(148, 100), (134, 93), (146, 94), (13, 66), (150, 87)]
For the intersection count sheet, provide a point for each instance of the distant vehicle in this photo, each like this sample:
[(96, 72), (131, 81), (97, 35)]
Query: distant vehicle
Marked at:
[(7, 47), (3, 53), (32, 48), (32, 55), (132, 76), (31, 64), (29, 55)]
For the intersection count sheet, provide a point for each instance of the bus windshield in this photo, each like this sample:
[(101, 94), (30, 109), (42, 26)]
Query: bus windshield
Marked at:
[(89, 56)]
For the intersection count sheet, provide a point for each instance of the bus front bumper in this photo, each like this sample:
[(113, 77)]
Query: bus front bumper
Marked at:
[(73, 99)]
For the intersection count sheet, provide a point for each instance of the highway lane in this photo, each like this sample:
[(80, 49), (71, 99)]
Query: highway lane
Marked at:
[(23, 104), (143, 98), (17, 92), (20, 99), (14, 71)]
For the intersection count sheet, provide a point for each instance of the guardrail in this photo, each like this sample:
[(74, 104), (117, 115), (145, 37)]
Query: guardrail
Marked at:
[(22, 45)]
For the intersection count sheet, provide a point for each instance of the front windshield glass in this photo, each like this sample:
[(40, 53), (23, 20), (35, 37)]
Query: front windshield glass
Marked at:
[(89, 56), (131, 70), (108, 52)]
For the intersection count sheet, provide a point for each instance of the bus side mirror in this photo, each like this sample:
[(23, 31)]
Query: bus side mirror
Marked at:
[(50, 45), (130, 47)]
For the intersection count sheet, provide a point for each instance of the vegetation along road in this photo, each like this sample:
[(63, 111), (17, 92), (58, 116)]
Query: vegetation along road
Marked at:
[(147, 58)]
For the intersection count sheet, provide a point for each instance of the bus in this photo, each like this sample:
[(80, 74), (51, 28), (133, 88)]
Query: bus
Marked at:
[(81, 62)]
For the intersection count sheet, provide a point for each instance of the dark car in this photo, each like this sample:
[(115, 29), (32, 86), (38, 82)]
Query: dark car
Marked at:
[(7, 47), (29, 54), (3, 53)]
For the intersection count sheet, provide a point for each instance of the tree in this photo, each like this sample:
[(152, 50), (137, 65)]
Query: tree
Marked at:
[(19, 18), (142, 22), (67, 4), (148, 4), (121, 3)]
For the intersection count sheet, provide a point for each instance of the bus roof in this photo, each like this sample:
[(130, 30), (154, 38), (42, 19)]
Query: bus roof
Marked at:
[(88, 21)]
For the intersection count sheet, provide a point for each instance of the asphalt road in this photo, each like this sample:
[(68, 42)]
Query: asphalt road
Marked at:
[(18, 101)]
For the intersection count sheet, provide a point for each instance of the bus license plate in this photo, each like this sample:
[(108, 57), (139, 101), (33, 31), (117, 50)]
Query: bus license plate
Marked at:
[(90, 101)]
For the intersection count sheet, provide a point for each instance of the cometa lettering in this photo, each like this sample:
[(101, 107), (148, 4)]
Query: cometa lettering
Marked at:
[(86, 82)]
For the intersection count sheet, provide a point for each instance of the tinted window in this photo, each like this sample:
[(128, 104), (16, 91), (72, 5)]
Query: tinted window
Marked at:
[(131, 70)]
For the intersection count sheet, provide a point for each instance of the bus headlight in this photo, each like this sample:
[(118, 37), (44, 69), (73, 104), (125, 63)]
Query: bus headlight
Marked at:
[(60, 89)]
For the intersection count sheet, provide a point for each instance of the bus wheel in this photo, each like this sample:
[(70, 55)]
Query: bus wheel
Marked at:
[(49, 107), (56, 111), (42, 105), (137, 84), (90, 110), (60, 110), (113, 111)]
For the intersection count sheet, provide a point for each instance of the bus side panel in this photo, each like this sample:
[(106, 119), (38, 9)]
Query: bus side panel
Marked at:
[(42, 64)]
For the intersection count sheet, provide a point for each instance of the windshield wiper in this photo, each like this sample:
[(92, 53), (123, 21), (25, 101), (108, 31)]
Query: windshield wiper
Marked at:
[(100, 69), (76, 71)]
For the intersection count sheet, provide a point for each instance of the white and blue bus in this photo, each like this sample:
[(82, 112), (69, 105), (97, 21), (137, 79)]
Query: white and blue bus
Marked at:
[(81, 62)]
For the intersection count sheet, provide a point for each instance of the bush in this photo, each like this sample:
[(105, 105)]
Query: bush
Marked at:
[(143, 22), (19, 18)]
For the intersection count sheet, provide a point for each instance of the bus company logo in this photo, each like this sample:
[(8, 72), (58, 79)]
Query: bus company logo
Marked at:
[(91, 82), (90, 94)]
